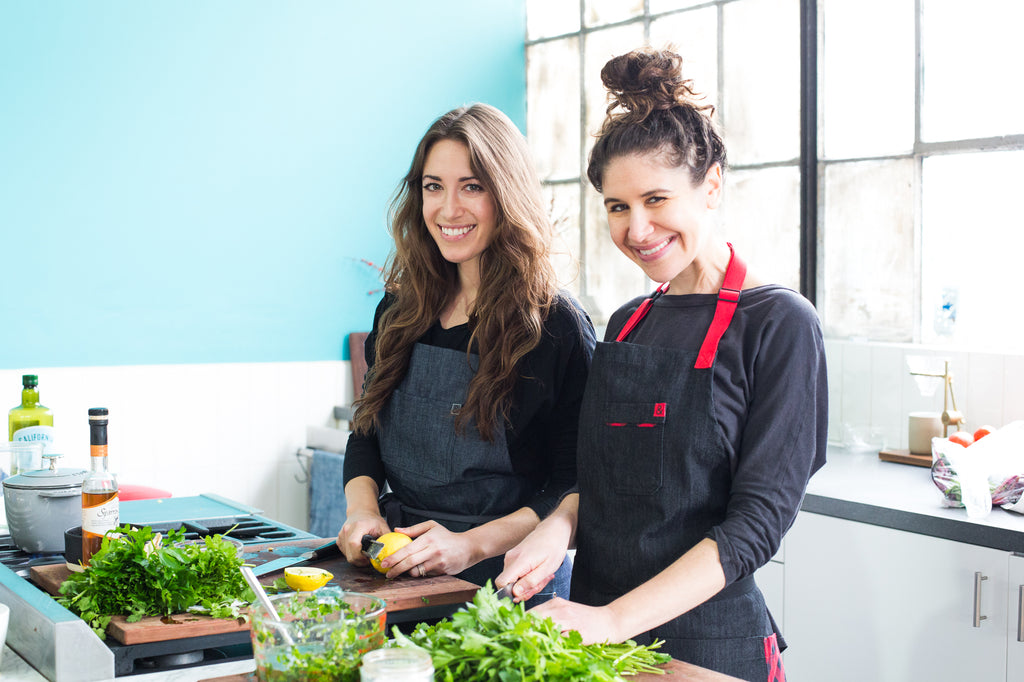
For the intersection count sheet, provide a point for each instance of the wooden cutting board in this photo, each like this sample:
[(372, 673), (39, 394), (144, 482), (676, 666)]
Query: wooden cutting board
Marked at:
[(678, 670), (400, 594)]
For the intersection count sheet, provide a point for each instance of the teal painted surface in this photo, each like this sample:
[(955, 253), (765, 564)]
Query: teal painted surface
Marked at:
[(196, 182)]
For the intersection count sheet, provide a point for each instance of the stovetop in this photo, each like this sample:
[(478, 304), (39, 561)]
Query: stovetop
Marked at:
[(45, 634)]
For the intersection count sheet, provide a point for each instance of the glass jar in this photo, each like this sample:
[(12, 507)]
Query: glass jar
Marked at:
[(402, 664)]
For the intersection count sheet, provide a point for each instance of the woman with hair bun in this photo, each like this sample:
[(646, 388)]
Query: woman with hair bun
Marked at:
[(705, 411), (476, 363)]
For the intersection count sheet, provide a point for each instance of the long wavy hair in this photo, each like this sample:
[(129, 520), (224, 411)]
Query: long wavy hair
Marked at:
[(518, 285), (653, 109)]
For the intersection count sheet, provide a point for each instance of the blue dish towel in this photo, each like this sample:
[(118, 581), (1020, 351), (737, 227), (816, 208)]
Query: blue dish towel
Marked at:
[(326, 494)]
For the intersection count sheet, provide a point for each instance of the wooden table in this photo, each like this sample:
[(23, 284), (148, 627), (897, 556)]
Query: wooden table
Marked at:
[(400, 594), (675, 671)]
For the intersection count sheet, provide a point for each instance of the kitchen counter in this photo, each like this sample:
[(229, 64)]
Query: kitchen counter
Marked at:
[(854, 485), (858, 486)]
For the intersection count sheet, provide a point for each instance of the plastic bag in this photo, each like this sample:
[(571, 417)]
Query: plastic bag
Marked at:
[(991, 471)]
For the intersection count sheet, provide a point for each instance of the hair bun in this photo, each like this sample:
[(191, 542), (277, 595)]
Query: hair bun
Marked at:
[(647, 80)]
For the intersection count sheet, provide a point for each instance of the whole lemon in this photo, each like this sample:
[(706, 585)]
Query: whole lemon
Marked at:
[(305, 579), (392, 543)]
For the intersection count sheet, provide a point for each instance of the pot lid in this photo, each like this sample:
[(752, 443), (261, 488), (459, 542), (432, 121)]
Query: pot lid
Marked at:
[(47, 479)]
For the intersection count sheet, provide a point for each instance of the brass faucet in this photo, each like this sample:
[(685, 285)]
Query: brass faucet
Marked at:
[(950, 417)]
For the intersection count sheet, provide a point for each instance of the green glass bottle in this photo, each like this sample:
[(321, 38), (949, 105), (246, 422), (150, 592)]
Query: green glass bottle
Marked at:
[(30, 420)]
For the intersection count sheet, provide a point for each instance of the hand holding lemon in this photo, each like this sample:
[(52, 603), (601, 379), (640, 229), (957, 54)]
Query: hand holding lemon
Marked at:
[(392, 542)]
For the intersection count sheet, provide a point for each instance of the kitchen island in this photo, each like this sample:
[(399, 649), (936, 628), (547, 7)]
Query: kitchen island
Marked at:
[(855, 490)]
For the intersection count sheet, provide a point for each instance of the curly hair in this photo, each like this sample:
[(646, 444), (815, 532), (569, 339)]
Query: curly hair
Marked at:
[(653, 109), (518, 285)]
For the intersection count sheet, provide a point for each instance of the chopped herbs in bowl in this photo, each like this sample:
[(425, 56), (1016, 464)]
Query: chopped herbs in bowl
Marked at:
[(322, 637)]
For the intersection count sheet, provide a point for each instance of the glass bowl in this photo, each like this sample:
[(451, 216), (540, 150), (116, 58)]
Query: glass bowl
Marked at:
[(321, 637)]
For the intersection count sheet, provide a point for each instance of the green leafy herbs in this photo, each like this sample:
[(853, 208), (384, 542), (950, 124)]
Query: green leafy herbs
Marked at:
[(144, 574), (495, 639)]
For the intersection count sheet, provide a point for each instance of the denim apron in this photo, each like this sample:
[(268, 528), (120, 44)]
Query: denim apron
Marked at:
[(460, 481), (654, 476)]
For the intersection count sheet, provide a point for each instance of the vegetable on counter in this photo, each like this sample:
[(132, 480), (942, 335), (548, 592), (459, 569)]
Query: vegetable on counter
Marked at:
[(496, 639), (144, 574)]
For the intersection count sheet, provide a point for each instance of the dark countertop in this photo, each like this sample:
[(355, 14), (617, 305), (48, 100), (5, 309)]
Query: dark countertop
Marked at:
[(858, 486)]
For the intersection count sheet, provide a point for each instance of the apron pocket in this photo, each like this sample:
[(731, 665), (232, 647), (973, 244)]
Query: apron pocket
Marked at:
[(420, 438), (636, 428)]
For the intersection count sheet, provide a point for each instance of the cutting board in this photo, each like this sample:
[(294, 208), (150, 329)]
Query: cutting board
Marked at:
[(905, 457), (399, 594), (678, 670)]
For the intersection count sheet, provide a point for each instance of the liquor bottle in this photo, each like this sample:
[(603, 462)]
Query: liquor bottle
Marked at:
[(30, 420), (100, 510)]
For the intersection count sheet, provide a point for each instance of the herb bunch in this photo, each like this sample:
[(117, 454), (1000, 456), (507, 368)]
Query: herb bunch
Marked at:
[(144, 574), (496, 639)]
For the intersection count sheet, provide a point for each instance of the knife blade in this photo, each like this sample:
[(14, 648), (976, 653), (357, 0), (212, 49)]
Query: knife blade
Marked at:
[(371, 548), (324, 551)]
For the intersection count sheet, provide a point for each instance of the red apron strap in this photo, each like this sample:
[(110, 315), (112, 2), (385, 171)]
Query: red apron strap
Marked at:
[(728, 297), (641, 310)]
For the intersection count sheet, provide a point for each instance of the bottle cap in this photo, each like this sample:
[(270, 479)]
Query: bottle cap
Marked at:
[(96, 413), (29, 380)]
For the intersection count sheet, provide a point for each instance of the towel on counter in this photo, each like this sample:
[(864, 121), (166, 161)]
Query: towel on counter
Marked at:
[(326, 493)]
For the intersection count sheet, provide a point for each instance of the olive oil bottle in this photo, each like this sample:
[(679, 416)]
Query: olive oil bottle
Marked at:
[(100, 510), (31, 421)]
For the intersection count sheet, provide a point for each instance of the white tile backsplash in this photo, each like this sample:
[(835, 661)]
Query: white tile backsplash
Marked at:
[(871, 388), (230, 429)]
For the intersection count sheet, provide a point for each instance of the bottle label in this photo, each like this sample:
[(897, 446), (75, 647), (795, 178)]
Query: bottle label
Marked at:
[(102, 517), (43, 434)]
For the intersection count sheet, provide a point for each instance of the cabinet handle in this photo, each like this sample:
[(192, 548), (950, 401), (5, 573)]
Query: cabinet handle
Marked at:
[(1020, 614), (978, 578)]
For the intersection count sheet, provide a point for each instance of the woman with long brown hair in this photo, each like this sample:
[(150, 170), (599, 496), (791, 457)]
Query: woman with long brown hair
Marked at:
[(705, 411), (476, 362)]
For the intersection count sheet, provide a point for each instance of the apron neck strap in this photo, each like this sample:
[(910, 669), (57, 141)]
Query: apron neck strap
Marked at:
[(728, 298)]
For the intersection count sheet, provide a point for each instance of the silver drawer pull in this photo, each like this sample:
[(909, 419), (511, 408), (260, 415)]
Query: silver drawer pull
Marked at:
[(1020, 614), (978, 578)]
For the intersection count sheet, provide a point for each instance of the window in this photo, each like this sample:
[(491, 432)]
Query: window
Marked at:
[(920, 141)]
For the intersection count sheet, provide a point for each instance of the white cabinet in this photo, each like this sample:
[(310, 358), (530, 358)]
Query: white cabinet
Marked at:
[(1015, 621), (864, 602)]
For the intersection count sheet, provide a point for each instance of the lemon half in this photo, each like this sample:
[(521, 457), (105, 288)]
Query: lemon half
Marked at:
[(306, 579), (392, 543)]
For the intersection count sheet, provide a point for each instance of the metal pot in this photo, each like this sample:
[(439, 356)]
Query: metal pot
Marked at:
[(42, 504)]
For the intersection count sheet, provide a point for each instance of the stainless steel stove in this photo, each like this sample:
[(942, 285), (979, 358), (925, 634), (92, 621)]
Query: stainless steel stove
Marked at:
[(64, 649)]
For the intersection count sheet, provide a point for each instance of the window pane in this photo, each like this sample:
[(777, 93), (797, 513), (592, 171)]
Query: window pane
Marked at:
[(564, 209), (760, 215), (553, 107), (658, 6), (869, 250), (601, 12), (969, 53), (611, 277), (545, 18), (867, 95), (600, 47), (761, 98), (973, 238), (695, 37)]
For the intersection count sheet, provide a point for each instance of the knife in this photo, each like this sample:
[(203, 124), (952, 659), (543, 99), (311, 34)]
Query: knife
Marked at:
[(371, 548), (506, 592), (324, 551)]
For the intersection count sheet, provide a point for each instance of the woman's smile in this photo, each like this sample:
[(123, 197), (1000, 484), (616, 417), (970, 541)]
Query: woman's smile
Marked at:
[(654, 251)]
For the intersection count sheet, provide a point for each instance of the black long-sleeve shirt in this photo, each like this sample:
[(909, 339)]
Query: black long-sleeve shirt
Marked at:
[(544, 412)]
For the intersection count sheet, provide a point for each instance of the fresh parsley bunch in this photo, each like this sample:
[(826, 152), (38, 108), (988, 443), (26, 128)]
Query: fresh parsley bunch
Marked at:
[(144, 574), (496, 639)]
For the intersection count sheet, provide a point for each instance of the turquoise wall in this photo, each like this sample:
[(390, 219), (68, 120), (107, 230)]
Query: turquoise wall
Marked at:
[(195, 182)]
